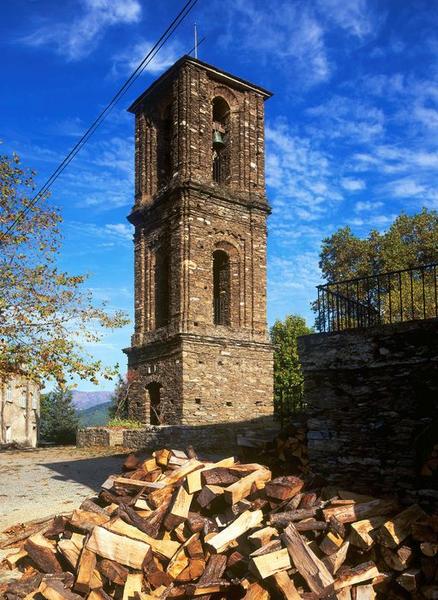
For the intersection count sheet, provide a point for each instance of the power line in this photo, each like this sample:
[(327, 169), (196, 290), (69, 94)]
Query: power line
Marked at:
[(187, 8)]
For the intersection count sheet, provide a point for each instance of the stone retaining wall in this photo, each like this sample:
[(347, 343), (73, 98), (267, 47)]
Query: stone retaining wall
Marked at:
[(221, 437), (372, 397)]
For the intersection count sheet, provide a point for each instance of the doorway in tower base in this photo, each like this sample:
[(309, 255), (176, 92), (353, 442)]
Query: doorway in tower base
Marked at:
[(156, 416)]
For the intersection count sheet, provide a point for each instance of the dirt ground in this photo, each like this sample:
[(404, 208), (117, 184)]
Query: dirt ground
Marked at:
[(43, 481)]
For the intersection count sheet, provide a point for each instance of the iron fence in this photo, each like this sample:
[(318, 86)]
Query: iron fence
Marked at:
[(393, 297)]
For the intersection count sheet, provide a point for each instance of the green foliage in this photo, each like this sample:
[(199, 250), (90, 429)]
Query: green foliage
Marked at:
[(288, 377), (58, 417), (46, 316), (131, 424), (410, 241)]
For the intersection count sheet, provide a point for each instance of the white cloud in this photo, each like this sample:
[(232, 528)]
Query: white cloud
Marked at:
[(354, 16), (78, 38), (345, 117), (290, 36), (127, 61), (352, 185), (405, 187), (367, 206), (111, 233), (300, 175)]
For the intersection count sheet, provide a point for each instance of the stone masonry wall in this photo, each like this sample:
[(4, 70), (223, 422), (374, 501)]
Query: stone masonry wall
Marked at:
[(372, 396)]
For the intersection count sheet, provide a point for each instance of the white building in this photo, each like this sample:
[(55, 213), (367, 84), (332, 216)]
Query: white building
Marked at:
[(19, 411)]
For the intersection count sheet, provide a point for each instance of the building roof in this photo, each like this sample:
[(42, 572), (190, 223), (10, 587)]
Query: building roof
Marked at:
[(216, 73)]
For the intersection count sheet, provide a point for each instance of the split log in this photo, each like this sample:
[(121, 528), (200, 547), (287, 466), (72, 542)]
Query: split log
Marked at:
[(247, 520), (266, 565), (126, 551), (409, 580), (243, 487), (164, 548), (179, 510), (397, 560), (361, 532), (336, 560), (307, 563), (354, 575), (43, 554), (132, 586), (55, 590), (86, 578), (285, 586), (284, 488), (394, 531), (113, 571), (355, 512)]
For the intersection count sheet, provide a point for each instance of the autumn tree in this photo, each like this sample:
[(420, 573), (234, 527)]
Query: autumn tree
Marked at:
[(410, 241), (288, 377), (46, 314)]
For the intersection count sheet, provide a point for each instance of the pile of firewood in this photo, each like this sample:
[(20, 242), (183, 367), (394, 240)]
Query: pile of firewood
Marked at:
[(283, 451), (176, 526)]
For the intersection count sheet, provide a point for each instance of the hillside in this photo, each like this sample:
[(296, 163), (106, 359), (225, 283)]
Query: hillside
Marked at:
[(84, 400), (94, 415)]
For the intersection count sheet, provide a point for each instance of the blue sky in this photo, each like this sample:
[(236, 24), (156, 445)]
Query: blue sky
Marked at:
[(351, 132)]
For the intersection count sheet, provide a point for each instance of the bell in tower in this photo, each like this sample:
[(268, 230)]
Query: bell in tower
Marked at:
[(200, 353)]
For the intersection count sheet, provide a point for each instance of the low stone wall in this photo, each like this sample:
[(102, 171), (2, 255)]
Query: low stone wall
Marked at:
[(221, 437), (372, 397)]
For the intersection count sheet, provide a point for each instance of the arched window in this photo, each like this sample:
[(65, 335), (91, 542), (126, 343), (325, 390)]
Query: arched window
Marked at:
[(221, 288), (161, 287), (155, 408), (221, 146), (164, 144)]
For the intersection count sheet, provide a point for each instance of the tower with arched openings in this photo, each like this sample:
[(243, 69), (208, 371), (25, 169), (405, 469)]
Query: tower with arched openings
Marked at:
[(200, 352)]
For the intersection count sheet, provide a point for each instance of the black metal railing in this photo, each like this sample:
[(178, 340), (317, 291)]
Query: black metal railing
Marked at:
[(393, 297)]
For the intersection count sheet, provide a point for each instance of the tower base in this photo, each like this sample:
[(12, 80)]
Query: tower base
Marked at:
[(194, 380)]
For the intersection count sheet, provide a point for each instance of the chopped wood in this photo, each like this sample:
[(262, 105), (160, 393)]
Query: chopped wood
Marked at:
[(284, 488), (394, 531), (175, 526), (262, 536), (284, 518), (43, 554), (87, 520), (285, 586), (113, 571), (331, 543), (359, 574), (179, 510), (364, 592), (243, 487), (247, 520), (307, 563), (410, 579), (336, 560), (164, 548), (361, 532), (397, 560), (133, 586), (268, 564), (55, 590), (256, 592), (365, 510), (126, 551)]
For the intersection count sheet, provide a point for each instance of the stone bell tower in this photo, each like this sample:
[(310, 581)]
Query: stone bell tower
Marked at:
[(200, 352)]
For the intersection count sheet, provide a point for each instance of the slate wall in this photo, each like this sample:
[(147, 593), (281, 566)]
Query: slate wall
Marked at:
[(372, 397)]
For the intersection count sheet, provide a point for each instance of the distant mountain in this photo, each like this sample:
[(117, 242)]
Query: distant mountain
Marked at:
[(83, 400), (94, 415)]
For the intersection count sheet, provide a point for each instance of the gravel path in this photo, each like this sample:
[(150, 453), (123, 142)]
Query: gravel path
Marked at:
[(40, 482)]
